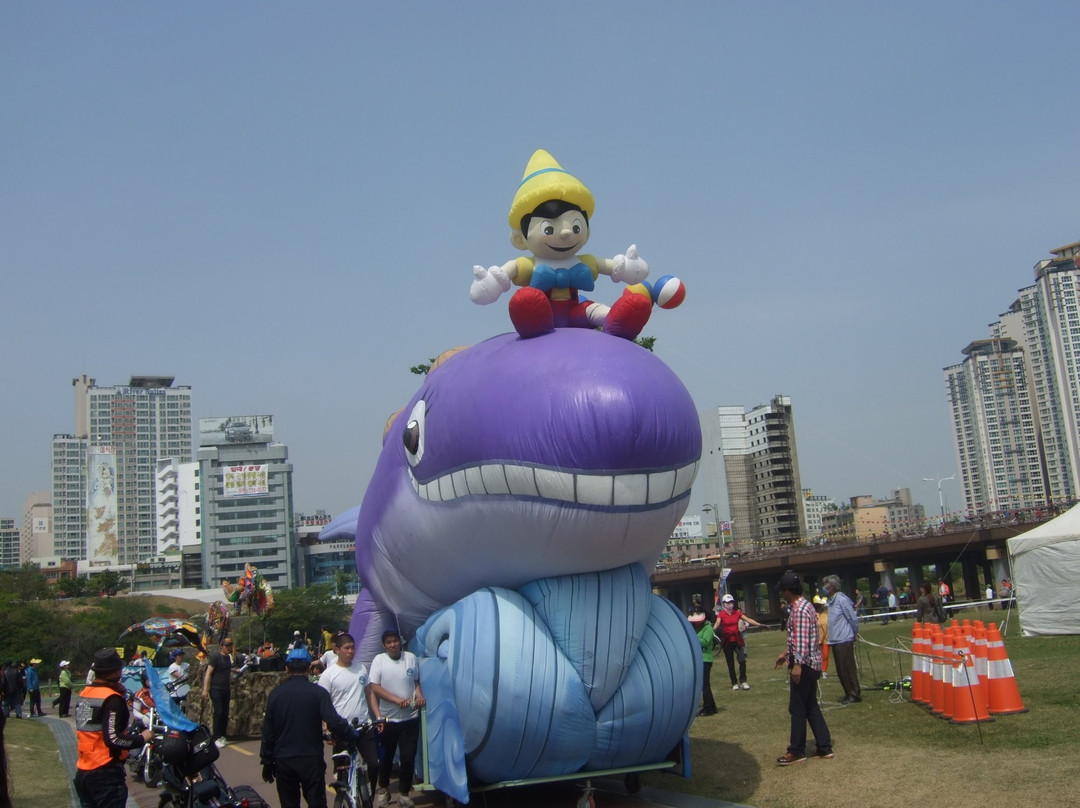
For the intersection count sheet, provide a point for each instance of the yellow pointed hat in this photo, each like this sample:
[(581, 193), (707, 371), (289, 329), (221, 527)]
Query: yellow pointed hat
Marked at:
[(545, 179)]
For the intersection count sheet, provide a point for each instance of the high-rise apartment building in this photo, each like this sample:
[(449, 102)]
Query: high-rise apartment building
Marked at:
[(245, 501), (10, 543), (1015, 398), (814, 508), (104, 497), (761, 466), (37, 539), (994, 427), (68, 472)]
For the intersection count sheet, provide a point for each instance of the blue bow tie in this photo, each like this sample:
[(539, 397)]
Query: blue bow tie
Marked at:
[(547, 278)]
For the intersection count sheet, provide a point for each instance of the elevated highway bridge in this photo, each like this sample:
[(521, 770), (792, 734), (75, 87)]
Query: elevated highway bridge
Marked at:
[(957, 556)]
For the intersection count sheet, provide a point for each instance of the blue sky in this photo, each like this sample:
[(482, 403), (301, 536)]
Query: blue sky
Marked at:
[(289, 198)]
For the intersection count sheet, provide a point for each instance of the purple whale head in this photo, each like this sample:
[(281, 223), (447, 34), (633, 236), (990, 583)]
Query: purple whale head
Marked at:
[(521, 459)]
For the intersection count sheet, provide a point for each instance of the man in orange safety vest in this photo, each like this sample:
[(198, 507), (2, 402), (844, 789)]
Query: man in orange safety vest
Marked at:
[(101, 726)]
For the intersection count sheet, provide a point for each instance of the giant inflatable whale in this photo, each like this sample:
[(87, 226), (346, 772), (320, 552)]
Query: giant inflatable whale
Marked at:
[(519, 499)]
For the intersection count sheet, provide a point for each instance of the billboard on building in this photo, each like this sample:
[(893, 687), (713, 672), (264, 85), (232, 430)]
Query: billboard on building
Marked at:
[(102, 545), (235, 429), (245, 480)]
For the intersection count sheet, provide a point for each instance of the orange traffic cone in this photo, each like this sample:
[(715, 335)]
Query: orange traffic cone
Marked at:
[(978, 650), (1004, 695), (918, 664), (968, 703), (937, 690), (946, 672)]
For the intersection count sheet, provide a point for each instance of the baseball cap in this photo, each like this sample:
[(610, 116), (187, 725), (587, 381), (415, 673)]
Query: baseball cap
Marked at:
[(789, 580), (35, 661), (64, 663), (298, 655), (727, 599)]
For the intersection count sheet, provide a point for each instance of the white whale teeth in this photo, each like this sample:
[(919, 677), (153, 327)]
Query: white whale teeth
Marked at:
[(500, 479)]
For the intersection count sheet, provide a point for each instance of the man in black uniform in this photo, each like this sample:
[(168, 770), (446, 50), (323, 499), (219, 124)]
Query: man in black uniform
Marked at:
[(101, 720), (217, 686), (292, 744)]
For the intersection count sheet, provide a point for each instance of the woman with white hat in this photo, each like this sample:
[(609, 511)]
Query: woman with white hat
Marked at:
[(732, 623), (64, 699)]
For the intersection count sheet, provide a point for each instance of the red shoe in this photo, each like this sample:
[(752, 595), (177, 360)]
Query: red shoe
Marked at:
[(530, 312), (628, 315)]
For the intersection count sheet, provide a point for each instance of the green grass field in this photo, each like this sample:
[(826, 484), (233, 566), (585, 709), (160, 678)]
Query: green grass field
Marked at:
[(889, 750), (37, 780)]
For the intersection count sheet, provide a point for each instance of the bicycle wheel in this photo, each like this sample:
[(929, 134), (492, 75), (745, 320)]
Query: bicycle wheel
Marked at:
[(152, 771), (343, 800)]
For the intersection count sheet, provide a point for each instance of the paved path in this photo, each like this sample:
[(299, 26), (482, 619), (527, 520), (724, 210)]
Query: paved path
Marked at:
[(239, 765)]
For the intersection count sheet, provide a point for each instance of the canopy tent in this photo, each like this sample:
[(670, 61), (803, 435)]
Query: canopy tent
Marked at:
[(1045, 565)]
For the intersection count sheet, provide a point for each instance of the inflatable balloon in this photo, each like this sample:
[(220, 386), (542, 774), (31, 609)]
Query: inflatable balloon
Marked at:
[(519, 499), (549, 217)]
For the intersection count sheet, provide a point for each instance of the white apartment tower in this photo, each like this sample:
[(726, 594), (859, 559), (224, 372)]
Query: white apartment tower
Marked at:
[(1015, 399), (994, 428), (762, 470), (104, 476)]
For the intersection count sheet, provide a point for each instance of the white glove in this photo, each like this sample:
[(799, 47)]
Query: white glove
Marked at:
[(488, 285), (629, 268)]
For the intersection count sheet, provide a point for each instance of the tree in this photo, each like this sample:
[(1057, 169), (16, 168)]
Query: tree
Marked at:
[(342, 579), (423, 369), (25, 583), (74, 587), (304, 610), (107, 582), (646, 342)]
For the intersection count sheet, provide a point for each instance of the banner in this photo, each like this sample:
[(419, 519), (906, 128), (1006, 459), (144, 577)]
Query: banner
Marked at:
[(242, 481), (102, 544), (236, 429)]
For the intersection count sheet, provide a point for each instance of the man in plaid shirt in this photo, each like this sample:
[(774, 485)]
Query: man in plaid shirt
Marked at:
[(803, 658)]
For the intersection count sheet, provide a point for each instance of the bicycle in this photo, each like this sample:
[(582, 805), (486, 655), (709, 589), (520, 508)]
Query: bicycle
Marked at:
[(145, 765), (352, 785)]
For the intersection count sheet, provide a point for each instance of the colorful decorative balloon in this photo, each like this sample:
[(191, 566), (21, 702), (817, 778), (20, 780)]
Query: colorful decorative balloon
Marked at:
[(519, 499)]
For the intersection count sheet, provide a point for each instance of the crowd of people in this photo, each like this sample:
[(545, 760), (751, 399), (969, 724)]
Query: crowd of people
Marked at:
[(821, 629)]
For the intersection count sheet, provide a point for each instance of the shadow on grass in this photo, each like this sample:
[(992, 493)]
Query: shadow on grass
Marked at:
[(721, 769)]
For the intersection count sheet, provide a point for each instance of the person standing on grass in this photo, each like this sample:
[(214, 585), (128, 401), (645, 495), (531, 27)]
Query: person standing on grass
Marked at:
[(33, 687), (63, 701), (704, 631), (843, 628), (803, 659), (732, 624)]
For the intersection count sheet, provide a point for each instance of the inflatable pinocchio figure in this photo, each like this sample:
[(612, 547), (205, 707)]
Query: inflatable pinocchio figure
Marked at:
[(549, 217)]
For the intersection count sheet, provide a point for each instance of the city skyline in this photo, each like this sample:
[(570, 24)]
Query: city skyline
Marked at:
[(282, 209)]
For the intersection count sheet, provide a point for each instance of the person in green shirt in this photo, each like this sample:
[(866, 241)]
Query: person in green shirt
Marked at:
[(64, 699), (704, 631)]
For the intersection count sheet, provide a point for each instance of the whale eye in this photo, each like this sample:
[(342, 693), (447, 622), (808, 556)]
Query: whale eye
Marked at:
[(413, 435)]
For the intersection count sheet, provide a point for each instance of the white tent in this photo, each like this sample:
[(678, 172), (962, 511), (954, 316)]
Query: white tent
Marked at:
[(1045, 564)]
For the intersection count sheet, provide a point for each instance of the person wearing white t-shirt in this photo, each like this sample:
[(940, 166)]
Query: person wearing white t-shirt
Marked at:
[(346, 680), (396, 696), (178, 678)]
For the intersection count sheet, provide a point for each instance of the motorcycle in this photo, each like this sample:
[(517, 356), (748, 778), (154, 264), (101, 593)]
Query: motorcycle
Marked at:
[(190, 778)]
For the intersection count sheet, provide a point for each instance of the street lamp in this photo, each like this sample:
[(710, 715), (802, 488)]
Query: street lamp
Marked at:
[(719, 535), (941, 499)]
